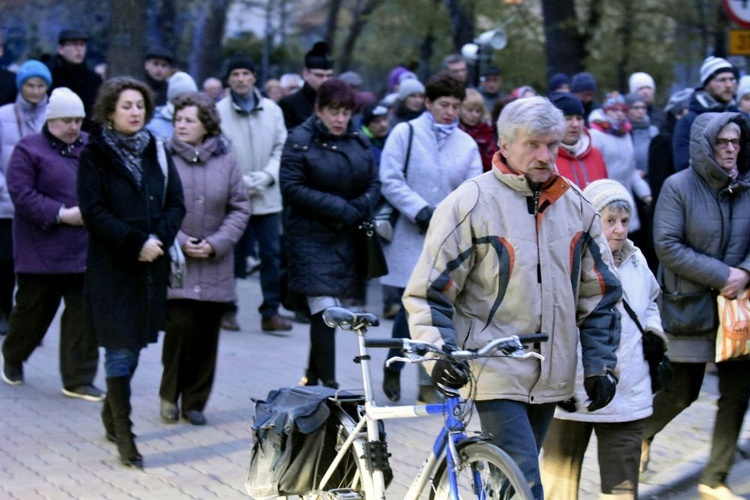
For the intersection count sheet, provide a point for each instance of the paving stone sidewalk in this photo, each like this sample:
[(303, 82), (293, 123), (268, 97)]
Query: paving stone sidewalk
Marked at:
[(54, 447)]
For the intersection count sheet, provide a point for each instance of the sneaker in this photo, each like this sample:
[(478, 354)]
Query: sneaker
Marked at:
[(275, 324), (195, 417), (87, 392), (719, 492), (12, 374)]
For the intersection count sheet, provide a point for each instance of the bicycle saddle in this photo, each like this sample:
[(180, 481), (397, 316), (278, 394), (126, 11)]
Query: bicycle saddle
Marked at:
[(349, 320)]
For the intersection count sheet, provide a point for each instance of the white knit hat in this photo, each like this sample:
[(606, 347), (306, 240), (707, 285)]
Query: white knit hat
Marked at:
[(178, 84), (408, 87), (639, 80), (605, 191), (712, 66), (744, 86), (64, 103)]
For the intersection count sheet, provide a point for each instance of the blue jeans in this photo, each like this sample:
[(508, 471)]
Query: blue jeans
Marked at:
[(120, 362), (267, 232), (518, 429)]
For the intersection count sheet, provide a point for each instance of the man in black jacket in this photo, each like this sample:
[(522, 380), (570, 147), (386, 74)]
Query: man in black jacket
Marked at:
[(69, 69), (157, 64), (299, 106)]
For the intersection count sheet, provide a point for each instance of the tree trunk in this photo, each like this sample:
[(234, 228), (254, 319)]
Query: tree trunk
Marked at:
[(126, 37), (462, 23), (332, 23), (564, 45), (626, 32), (206, 43), (360, 18)]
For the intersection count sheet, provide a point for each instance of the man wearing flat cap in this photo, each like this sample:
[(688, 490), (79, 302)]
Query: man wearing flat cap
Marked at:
[(299, 106), (255, 128), (69, 69), (157, 63), (715, 94)]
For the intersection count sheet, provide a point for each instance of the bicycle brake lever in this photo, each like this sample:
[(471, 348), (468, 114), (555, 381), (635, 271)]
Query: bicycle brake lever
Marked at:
[(408, 358), (529, 354)]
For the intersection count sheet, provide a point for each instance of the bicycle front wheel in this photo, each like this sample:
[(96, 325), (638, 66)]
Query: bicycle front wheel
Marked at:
[(485, 471)]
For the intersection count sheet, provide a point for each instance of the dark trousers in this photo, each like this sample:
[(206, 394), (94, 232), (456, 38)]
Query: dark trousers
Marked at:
[(266, 229), (734, 393), (618, 452), (37, 301), (7, 273), (518, 429), (189, 353), (401, 331)]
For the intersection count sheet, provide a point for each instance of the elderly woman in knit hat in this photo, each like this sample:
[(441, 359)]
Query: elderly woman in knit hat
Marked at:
[(17, 120), (50, 246), (619, 425), (410, 102)]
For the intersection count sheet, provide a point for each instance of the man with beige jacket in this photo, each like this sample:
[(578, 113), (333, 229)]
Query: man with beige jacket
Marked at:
[(255, 128)]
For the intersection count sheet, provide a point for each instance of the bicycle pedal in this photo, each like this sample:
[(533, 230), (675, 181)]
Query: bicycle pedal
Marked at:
[(343, 494)]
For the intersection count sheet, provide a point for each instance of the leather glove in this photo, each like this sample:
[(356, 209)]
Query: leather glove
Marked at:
[(423, 218), (568, 405), (600, 390), (653, 348), (449, 375)]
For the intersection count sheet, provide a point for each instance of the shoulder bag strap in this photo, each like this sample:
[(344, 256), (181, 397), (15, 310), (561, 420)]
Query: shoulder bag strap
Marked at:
[(633, 316), (408, 148), (162, 157)]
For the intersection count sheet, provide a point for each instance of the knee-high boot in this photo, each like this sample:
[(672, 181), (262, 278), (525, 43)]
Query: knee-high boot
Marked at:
[(323, 350), (108, 421), (118, 395)]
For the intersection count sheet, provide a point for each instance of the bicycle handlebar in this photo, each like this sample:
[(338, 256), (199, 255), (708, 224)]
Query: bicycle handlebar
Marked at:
[(508, 345)]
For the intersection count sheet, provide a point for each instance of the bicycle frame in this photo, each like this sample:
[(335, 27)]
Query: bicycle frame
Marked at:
[(450, 435)]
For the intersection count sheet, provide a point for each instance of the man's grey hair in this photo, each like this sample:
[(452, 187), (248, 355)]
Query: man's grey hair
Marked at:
[(535, 115), (452, 59)]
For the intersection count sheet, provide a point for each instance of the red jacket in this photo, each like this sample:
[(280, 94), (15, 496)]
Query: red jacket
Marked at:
[(584, 168), (484, 135)]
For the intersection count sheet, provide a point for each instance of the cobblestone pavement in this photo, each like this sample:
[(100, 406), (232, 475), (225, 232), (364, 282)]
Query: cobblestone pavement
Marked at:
[(54, 447)]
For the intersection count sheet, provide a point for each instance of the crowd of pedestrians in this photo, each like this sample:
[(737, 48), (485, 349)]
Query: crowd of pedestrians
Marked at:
[(580, 213)]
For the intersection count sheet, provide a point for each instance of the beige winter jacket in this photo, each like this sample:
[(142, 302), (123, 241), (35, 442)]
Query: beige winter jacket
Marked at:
[(494, 266)]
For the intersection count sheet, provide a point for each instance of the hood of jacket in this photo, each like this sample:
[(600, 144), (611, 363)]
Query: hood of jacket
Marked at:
[(703, 134), (200, 154)]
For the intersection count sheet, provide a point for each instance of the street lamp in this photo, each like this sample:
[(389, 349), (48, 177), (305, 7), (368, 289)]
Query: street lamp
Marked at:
[(479, 51)]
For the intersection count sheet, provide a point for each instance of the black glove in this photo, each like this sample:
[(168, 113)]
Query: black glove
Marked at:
[(653, 348), (600, 390), (423, 218), (450, 375), (568, 405)]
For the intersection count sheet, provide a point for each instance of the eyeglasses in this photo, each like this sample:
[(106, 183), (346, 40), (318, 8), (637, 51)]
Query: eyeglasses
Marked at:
[(724, 143)]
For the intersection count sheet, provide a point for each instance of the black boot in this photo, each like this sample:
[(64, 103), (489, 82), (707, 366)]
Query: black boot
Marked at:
[(108, 421), (118, 395), (392, 384)]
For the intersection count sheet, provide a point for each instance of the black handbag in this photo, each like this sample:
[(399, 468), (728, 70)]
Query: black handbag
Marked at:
[(386, 215), (661, 371), (376, 264), (688, 314)]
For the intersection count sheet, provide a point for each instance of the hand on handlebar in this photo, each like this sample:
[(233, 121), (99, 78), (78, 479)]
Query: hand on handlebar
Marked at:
[(450, 375)]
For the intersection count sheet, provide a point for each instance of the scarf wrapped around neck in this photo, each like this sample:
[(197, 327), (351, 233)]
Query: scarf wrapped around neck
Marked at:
[(609, 125), (129, 148), (441, 131)]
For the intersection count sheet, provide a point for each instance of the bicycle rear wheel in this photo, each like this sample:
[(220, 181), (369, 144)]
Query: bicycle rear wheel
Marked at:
[(486, 471)]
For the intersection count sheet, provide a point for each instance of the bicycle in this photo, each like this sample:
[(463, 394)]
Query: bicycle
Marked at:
[(458, 466)]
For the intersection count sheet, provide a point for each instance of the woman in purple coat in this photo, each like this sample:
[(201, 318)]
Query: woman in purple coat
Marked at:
[(218, 208)]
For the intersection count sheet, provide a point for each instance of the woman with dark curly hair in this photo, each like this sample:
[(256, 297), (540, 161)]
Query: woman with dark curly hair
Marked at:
[(132, 214), (217, 211), (329, 182)]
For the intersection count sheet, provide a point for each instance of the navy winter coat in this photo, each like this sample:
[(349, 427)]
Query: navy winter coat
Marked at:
[(329, 185)]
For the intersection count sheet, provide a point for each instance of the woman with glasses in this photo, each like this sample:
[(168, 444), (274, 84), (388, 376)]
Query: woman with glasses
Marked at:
[(702, 239)]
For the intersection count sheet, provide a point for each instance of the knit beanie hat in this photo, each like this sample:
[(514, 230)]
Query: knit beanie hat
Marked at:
[(614, 100), (633, 98), (744, 86), (605, 191), (240, 61), (712, 66), (408, 87), (319, 57), (393, 77), (352, 78), (568, 103), (558, 80), (30, 69), (639, 80), (180, 83), (64, 103), (679, 101), (582, 82), (372, 111)]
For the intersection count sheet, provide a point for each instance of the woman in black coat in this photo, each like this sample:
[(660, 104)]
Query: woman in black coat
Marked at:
[(329, 182), (132, 219)]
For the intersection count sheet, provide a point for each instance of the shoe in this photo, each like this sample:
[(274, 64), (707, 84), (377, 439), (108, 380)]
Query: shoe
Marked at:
[(229, 322), (428, 395), (331, 384), (392, 384), (169, 411), (719, 492), (195, 417), (391, 311), (251, 265), (645, 455), (87, 392), (275, 324), (12, 374)]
